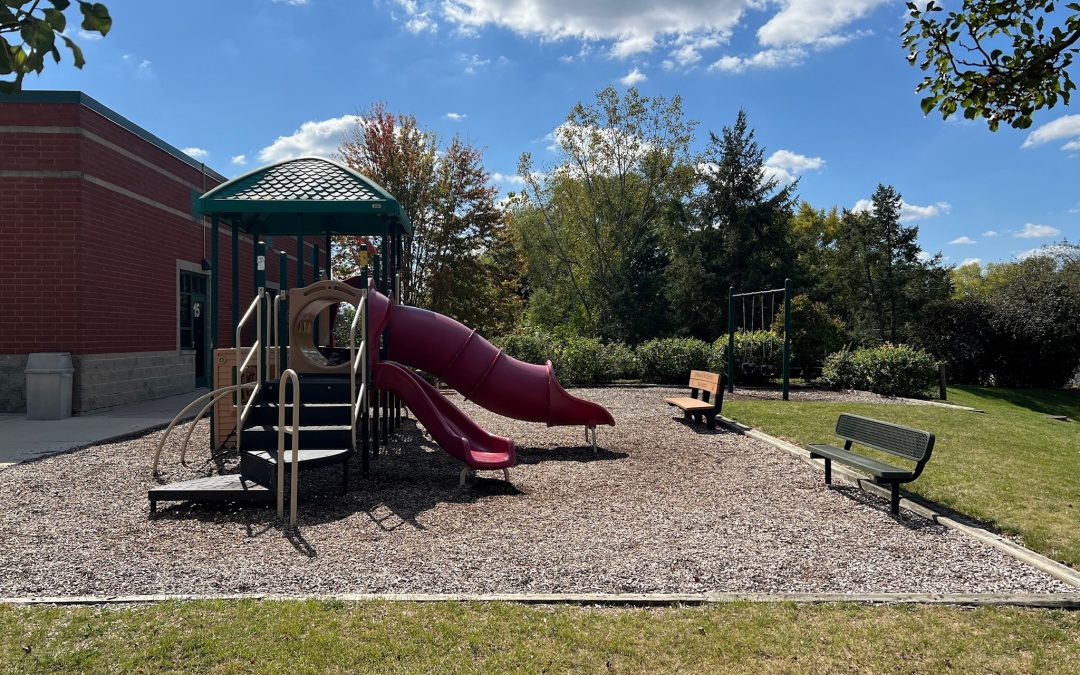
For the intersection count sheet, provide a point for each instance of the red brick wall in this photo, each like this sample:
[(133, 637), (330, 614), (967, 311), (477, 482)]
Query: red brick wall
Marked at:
[(86, 269)]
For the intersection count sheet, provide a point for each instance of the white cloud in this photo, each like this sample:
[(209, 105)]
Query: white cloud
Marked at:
[(320, 138), (786, 29), (474, 63), (90, 35), (990, 233), (923, 256), (1063, 127), (916, 212), (197, 153), (960, 241), (689, 47), (637, 44), (455, 117), (785, 166), (1033, 231), (507, 179), (970, 261), (1072, 146), (144, 68), (793, 161), (633, 77), (767, 59), (908, 211), (239, 160), (809, 22), (295, 3)]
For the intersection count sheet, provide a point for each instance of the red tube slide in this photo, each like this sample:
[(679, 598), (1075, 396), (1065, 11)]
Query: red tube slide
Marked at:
[(452, 429), (479, 370)]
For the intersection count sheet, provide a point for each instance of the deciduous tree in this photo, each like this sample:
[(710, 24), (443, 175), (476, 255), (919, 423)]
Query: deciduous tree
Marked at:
[(447, 194)]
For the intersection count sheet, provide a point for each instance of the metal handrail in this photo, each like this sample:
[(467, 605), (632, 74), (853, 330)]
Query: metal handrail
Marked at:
[(215, 396), (358, 361), (244, 408), (289, 377)]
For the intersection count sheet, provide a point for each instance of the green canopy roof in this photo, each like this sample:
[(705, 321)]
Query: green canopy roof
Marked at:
[(310, 195)]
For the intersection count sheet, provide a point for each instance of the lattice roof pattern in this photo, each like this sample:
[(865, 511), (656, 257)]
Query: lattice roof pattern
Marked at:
[(307, 179)]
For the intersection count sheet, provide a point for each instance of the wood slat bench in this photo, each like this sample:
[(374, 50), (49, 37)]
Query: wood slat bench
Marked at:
[(711, 388), (893, 439)]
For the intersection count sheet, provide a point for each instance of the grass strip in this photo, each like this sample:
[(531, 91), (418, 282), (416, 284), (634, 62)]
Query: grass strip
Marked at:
[(318, 636)]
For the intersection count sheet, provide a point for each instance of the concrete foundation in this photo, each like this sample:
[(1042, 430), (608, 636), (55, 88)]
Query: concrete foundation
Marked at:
[(106, 380)]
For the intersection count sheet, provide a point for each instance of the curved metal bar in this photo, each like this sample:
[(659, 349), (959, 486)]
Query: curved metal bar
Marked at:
[(180, 416), (187, 438), (358, 361), (288, 378)]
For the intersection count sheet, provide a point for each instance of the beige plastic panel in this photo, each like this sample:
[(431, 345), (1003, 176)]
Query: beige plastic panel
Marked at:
[(305, 304)]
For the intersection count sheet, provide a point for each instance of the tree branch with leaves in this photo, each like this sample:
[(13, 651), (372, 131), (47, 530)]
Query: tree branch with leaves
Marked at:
[(30, 31), (1000, 61)]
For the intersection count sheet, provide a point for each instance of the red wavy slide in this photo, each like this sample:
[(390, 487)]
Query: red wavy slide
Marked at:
[(453, 430), (479, 370)]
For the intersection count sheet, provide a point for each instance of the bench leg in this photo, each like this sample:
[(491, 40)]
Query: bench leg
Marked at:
[(710, 421), (894, 505), (687, 416), (828, 471)]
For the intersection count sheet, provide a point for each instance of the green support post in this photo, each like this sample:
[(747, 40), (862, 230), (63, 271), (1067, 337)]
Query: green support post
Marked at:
[(376, 270), (787, 336), (300, 260), (731, 339), (328, 274), (260, 283), (283, 319), (235, 284), (215, 295), (315, 280)]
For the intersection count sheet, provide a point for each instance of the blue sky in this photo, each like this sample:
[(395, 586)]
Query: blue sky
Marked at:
[(825, 83)]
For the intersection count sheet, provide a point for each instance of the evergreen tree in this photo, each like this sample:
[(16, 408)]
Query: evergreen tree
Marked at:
[(735, 234)]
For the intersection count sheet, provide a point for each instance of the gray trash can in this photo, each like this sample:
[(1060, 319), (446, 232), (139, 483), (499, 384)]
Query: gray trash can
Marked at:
[(48, 386)]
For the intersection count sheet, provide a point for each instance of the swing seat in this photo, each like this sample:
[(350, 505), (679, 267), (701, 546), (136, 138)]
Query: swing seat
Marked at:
[(749, 368)]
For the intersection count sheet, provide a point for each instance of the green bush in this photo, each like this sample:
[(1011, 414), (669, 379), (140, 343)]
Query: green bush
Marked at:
[(890, 370), (670, 360), (531, 346), (576, 360)]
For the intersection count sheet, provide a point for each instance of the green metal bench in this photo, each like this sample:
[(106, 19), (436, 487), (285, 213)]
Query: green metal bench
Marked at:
[(893, 439)]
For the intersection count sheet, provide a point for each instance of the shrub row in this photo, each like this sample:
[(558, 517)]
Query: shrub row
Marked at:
[(580, 360), (891, 370)]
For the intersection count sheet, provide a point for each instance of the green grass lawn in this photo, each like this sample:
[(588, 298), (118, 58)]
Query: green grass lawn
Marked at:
[(275, 637), (1011, 467)]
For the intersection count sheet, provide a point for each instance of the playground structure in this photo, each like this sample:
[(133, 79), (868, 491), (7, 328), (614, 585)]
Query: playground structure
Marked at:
[(764, 368), (290, 387)]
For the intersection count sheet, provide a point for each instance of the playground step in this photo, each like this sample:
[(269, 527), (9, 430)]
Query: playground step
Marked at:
[(311, 414), (313, 389), (228, 488), (261, 465), (311, 437)]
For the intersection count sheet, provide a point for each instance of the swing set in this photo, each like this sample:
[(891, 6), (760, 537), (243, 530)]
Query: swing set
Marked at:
[(762, 304)]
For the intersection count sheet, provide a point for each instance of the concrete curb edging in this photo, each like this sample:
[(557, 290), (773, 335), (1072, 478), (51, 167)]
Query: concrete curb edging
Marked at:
[(1069, 601), (921, 508)]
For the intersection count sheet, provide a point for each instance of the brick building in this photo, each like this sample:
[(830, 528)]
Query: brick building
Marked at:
[(101, 257)]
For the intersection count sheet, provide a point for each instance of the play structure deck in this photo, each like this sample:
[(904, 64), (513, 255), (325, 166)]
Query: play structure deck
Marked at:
[(327, 402)]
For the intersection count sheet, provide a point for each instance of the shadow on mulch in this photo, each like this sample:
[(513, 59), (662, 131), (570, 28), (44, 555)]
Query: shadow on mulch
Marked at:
[(906, 519), (700, 427), (578, 453)]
